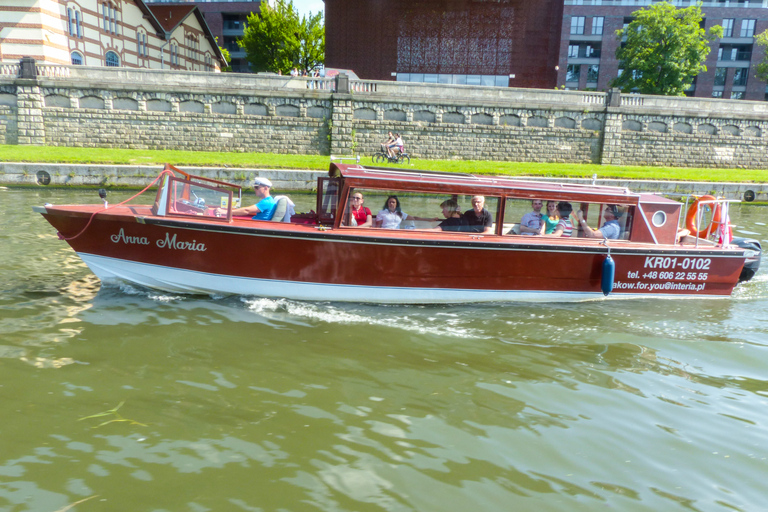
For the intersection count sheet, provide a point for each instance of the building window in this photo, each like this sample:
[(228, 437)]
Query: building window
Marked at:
[(747, 28), (572, 72), (112, 20), (142, 44), (728, 27), (597, 25), (79, 22), (577, 25), (77, 59), (593, 72), (717, 94), (174, 54), (573, 51), (105, 15), (737, 95), (720, 76), (740, 76), (112, 59), (72, 25), (592, 51)]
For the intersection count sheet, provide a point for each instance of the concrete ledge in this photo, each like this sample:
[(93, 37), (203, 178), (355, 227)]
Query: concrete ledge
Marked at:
[(137, 176)]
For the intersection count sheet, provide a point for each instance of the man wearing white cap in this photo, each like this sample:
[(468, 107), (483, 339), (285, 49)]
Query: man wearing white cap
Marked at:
[(265, 208)]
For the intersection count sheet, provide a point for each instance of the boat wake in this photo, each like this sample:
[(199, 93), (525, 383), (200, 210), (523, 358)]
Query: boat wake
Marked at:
[(423, 320)]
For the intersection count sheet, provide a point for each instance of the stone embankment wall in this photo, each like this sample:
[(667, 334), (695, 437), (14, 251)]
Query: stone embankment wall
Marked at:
[(127, 108)]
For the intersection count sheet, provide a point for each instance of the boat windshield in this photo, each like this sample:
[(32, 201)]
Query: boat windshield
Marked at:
[(183, 197)]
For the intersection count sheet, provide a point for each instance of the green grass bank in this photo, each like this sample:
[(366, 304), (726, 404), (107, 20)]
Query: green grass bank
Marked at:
[(46, 154)]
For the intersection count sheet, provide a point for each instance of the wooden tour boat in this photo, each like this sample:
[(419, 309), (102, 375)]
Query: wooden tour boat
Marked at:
[(179, 244)]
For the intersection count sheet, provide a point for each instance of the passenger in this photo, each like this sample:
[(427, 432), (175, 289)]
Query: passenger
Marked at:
[(564, 226), (610, 230), (391, 215), (531, 221), (478, 218), (453, 219), (550, 219), (361, 214), (264, 209)]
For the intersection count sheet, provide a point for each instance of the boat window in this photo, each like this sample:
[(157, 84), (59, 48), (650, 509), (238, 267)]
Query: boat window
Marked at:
[(417, 210), (186, 198), (327, 199), (521, 217)]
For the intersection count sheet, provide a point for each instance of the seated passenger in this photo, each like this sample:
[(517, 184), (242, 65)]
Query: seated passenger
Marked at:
[(564, 226), (264, 209), (453, 218), (361, 214), (531, 221), (610, 230), (391, 215), (550, 219), (478, 218)]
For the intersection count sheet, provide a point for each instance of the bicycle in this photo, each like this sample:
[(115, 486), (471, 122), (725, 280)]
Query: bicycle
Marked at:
[(381, 157)]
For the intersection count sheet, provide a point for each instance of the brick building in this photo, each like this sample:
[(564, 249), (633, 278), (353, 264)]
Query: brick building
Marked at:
[(125, 33), (589, 43), (475, 42), (227, 21)]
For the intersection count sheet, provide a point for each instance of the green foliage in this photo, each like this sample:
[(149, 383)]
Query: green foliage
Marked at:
[(227, 57), (665, 49), (311, 41), (761, 70), (277, 40)]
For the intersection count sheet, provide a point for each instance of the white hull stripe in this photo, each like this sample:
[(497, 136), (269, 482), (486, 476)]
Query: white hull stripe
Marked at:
[(171, 279)]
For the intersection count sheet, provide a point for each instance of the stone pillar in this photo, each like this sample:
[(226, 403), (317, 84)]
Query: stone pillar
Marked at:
[(341, 124), (610, 139), (610, 142), (29, 117)]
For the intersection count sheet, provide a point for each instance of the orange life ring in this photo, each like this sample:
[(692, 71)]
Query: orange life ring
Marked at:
[(693, 211)]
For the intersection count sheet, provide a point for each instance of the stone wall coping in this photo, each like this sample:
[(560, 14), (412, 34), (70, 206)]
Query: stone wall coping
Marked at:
[(88, 76)]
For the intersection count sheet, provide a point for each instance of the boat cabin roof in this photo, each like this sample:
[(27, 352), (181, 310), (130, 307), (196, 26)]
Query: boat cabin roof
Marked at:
[(356, 175)]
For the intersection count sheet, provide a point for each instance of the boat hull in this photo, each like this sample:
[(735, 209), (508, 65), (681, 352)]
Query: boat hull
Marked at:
[(382, 266)]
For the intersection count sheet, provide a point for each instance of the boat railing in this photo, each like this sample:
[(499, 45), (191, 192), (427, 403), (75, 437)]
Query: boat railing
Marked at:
[(714, 204)]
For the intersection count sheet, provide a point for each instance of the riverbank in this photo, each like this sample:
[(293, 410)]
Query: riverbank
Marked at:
[(56, 175), (235, 162)]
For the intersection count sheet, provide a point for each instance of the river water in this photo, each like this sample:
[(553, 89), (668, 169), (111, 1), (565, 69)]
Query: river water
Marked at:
[(122, 399)]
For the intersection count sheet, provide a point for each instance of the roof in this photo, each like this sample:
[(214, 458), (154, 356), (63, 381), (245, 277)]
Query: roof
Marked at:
[(457, 183), (170, 16)]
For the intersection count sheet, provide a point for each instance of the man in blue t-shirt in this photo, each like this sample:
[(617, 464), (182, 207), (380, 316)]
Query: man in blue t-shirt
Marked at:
[(265, 208), (610, 230)]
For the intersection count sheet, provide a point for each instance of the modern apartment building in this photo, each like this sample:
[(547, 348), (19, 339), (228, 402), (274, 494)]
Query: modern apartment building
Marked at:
[(588, 45), (227, 20), (124, 33)]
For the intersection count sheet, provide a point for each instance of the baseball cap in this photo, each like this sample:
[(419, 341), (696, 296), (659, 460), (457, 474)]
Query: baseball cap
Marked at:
[(262, 181)]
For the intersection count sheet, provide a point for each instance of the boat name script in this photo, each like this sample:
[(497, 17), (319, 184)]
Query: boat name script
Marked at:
[(169, 242)]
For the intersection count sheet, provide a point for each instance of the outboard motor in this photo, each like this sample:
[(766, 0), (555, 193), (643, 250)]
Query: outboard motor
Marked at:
[(753, 251)]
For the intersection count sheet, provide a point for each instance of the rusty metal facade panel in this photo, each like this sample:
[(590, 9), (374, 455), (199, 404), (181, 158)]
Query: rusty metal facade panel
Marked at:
[(476, 39), (377, 38)]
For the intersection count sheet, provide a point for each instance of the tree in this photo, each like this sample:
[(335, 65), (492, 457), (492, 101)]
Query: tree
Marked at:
[(277, 40), (227, 57), (311, 41), (761, 70), (665, 49)]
